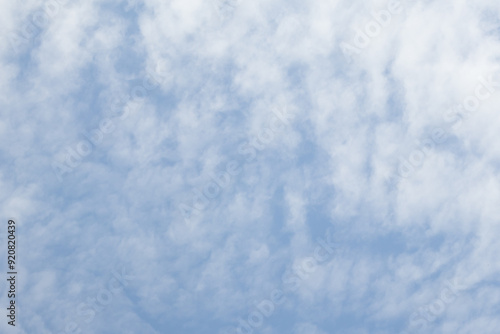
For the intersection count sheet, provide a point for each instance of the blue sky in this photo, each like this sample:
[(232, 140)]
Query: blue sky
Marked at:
[(230, 166)]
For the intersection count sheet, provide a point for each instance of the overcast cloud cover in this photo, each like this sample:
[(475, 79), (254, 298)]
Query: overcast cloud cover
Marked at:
[(265, 166)]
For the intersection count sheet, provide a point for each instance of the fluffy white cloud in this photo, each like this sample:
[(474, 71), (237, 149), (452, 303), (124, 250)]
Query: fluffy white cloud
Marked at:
[(206, 146)]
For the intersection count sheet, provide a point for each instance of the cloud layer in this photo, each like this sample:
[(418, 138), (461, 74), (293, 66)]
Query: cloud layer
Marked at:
[(202, 151)]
